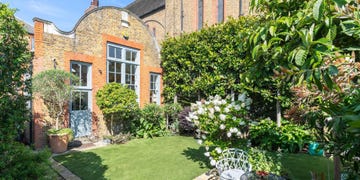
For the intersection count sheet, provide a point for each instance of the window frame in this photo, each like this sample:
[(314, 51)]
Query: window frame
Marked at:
[(123, 63)]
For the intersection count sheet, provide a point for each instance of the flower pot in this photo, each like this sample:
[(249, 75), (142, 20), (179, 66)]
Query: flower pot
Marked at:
[(58, 142)]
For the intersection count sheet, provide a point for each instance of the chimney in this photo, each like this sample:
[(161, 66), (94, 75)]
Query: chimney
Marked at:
[(94, 4)]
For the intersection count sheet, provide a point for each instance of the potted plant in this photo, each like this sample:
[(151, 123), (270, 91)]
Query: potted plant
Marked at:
[(54, 88)]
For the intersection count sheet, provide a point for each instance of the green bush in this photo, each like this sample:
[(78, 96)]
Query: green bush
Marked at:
[(172, 111), (289, 137), (20, 162), (261, 160), (151, 123), (119, 106)]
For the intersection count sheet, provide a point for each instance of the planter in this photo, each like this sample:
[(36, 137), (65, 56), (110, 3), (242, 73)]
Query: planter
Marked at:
[(58, 142)]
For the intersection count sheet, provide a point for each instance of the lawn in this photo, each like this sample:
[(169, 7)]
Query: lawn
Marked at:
[(173, 157)]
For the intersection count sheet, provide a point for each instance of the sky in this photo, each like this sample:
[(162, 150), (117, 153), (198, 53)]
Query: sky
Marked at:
[(63, 13)]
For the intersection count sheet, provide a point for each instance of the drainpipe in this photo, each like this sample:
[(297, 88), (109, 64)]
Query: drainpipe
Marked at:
[(182, 17)]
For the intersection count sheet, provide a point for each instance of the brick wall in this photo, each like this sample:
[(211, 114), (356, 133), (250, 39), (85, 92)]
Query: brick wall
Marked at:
[(87, 43), (170, 17)]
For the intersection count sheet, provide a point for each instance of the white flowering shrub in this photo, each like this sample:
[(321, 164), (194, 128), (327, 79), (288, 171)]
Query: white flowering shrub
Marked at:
[(221, 123)]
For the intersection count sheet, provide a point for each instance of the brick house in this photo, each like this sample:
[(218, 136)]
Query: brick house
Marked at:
[(108, 44), (174, 17)]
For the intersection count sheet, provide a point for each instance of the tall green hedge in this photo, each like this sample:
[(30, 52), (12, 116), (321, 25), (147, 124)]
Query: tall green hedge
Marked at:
[(206, 62)]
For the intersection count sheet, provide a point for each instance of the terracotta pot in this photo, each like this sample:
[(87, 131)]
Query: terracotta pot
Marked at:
[(58, 143)]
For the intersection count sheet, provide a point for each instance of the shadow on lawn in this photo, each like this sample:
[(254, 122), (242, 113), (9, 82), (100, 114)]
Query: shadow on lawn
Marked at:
[(197, 155), (86, 165)]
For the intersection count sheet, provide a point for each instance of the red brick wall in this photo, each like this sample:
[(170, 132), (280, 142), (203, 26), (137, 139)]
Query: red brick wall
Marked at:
[(88, 44)]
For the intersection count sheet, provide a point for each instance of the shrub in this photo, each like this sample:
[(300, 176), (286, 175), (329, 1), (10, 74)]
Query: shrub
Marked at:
[(119, 106), (20, 162), (221, 123), (289, 137), (151, 122), (186, 127), (261, 160), (171, 113)]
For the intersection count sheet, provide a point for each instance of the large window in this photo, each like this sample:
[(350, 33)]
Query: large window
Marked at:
[(123, 66), (200, 13), (220, 11)]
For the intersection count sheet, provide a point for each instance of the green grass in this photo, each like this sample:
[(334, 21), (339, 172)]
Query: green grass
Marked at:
[(173, 157), (299, 166)]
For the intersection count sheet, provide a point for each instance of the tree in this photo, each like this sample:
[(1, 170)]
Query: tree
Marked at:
[(308, 37), (118, 103), (15, 62), (16, 160), (53, 86)]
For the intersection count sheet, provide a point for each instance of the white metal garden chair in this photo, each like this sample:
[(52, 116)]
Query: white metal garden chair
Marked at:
[(232, 164)]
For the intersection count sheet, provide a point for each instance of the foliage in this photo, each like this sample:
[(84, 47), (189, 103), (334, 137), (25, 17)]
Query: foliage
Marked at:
[(151, 123), (118, 104), (20, 162), (261, 160), (289, 137), (344, 128), (54, 88), (221, 123), (120, 138), (207, 62), (186, 127), (310, 39), (172, 111), (15, 62), (63, 131)]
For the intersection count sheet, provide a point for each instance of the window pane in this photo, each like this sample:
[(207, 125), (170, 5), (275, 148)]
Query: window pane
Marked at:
[(127, 79), (118, 67), (75, 102), (111, 66), (111, 51), (133, 56), (84, 101), (75, 69), (111, 77), (128, 55), (133, 69), (118, 78), (132, 79), (127, 69), (84, 73), (118, 53)]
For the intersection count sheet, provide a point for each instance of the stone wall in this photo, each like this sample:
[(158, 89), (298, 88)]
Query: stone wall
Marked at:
[(87, 43)]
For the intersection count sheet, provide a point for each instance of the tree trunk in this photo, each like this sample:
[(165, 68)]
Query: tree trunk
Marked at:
[(278, 109), (175, 99), (337, 166), (111, 125)]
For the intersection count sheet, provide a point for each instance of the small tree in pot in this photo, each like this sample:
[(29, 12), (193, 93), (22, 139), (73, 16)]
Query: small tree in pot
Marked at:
[(54, 88)]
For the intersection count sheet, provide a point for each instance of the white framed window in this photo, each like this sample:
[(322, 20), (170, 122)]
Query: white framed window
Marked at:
[(123, 66), (155, 88)]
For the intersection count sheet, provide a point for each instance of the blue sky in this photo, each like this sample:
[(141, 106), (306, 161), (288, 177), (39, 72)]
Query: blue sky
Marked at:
[(63, 13)]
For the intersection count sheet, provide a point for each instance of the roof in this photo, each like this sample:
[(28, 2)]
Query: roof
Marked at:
[(143, 8), (28, 27)]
